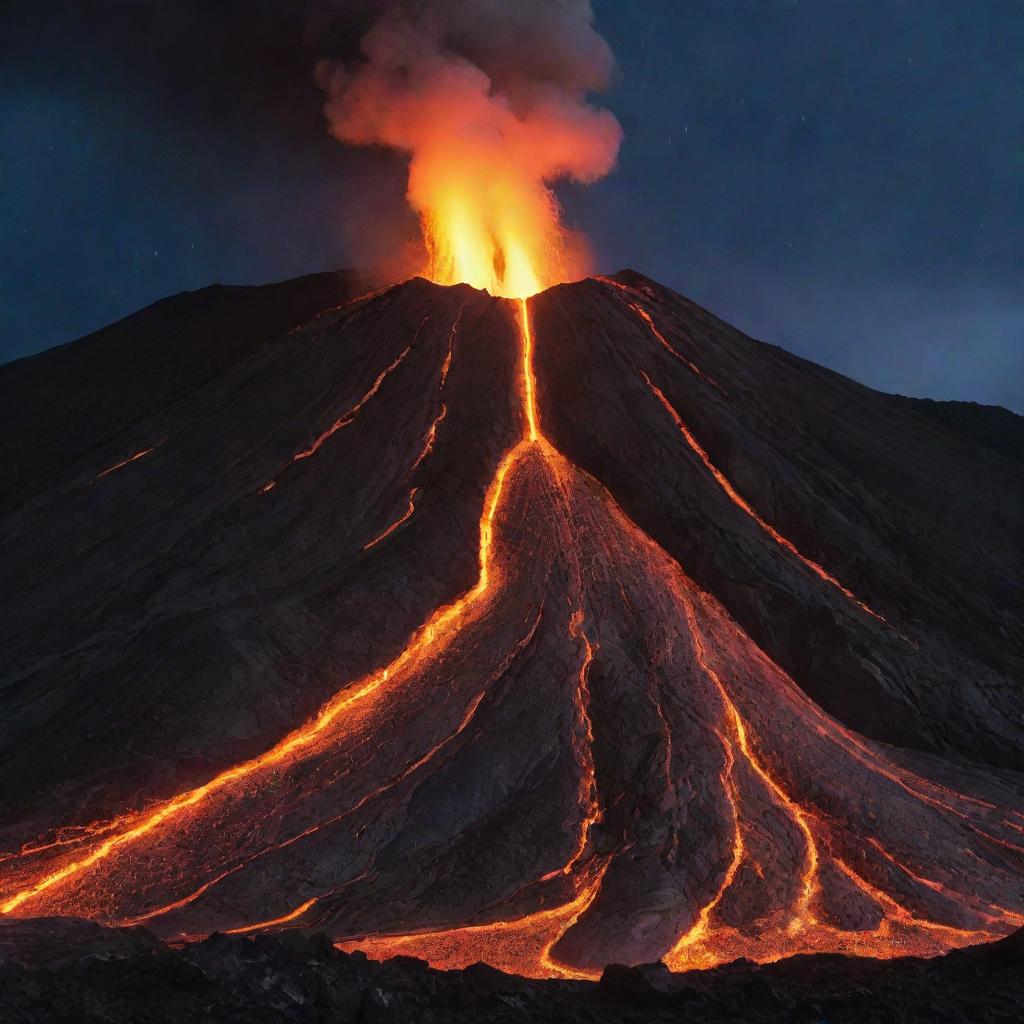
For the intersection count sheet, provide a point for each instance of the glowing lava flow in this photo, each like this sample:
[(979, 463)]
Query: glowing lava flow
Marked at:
[(437, 630), (697, 934), (274, 921), (428, 443), (585, 747), (540, 930), (529, 382), (403, 518), (659, 337), (519, 945), (682, 956), (124, 462), (709, 809), (345, 419), (740, 502), (522, 944), (755, 793)]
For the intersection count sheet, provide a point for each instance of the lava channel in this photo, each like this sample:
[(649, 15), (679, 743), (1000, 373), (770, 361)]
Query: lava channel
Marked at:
[(582, 759)]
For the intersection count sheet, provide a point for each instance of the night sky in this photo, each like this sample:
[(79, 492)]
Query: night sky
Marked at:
[(841, 177)]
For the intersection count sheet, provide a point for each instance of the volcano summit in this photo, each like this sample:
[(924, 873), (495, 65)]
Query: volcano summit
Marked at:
[(544, 632)]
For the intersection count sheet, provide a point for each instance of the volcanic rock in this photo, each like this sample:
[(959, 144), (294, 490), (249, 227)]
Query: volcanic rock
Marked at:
[(101, 976), (551, 635)]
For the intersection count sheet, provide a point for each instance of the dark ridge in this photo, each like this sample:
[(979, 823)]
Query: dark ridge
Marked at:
[(991, 425)]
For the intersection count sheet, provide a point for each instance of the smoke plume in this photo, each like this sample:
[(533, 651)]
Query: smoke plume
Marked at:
[(489, 101)]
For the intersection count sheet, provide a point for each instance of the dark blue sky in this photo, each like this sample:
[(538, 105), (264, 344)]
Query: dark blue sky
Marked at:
[(841, 177)]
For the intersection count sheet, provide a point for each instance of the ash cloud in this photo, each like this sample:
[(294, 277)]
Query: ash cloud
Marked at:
[(487, 97)]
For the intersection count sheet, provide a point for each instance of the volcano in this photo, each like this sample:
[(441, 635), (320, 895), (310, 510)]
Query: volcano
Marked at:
[(547, 633)]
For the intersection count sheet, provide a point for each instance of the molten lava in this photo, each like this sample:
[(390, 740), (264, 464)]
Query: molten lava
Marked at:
[(486, 132), (495, 257), (415, 813), (126, 461)]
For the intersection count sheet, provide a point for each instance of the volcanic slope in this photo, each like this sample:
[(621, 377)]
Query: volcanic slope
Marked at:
[(553, 633)]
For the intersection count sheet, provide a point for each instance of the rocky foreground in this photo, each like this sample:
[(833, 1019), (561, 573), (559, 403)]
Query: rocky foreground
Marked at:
[(64, 969)]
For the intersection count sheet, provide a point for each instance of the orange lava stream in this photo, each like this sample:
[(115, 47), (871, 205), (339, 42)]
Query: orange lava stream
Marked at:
[(404, 517), (345, 419), (348, 417), (428, 444), (524, 944), (405, 774), (425, 642), (708, 942), (917, 787), (396, 781), (72, 835), (900, 933), (283, 919), (447, 364), (529, 381), (435, 632), (128, 461), (585, 747), (740, 502), (660, 338), (998, 914), (899, 916), (185, 901), (699, 930), (801, 914), (520, 945)]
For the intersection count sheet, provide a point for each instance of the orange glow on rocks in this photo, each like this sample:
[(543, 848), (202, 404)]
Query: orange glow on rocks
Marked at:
[(439, 629), (124, 462), (345, 419), (520, 945), (740, 502), (403, 518), (523, 945), (751, 824), (661, 339)]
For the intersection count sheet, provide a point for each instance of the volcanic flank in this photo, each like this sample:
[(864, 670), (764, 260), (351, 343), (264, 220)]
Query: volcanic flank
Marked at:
[(544, 632)]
